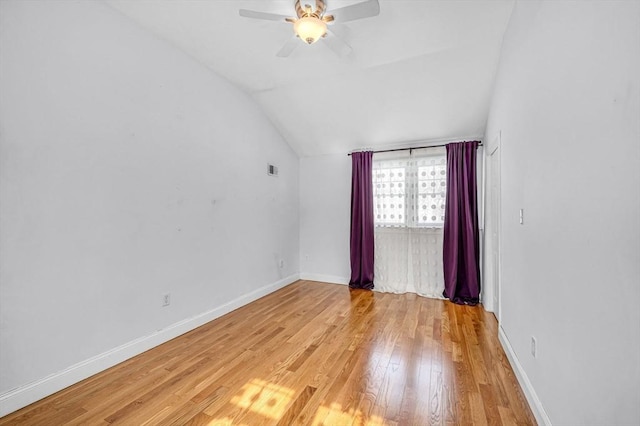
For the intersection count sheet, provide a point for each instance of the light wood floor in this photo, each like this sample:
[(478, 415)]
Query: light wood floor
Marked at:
[(311, 354)]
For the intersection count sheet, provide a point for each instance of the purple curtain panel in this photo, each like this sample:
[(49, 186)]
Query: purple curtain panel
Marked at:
[(361, 221), (461, 233)]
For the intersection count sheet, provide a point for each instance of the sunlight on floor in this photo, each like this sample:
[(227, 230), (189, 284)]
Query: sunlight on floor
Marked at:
[(334, 415), (271, 401), (224, 422), (264, 398)]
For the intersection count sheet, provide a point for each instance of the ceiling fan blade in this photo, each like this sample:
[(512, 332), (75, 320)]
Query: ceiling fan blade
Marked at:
[(288, 47), (337, 44), (341, 31), (365, 9), (254, 14)]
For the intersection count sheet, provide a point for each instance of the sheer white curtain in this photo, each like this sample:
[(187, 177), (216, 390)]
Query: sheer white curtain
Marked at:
[(409, 198)]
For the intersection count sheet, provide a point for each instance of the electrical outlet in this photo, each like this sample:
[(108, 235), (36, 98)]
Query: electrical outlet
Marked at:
[(521, 216), (281, 263), (534, 347), (166, 299)]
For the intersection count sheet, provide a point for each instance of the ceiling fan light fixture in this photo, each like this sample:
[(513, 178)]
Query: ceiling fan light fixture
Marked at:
[(310, 29)]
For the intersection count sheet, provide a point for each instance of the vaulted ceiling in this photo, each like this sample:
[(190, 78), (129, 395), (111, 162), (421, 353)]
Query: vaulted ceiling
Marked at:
[(420, 71)]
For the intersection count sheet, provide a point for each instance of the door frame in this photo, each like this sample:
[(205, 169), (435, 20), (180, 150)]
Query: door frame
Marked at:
[(492, 258)]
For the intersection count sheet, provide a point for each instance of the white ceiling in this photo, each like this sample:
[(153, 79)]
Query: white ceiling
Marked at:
[(420, 71)]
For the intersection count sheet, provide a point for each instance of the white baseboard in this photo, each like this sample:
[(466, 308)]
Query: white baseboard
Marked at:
[(32, 392), (529, 392), (324, 278)]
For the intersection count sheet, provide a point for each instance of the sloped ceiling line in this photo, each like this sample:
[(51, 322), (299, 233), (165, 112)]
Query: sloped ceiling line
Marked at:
[(421, 70)]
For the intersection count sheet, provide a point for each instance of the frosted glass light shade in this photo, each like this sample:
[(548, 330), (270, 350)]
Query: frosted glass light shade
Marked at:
[(310, 29)]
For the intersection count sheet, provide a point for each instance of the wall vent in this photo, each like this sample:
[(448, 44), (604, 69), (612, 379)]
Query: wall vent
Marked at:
[(272, 170)]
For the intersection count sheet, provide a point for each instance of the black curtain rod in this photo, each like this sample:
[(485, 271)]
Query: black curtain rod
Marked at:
[(412, 148)]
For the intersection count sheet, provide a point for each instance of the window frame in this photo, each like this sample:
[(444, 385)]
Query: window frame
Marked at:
[(384, 172)]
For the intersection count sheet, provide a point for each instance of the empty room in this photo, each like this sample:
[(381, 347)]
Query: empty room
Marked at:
[(320, 212)]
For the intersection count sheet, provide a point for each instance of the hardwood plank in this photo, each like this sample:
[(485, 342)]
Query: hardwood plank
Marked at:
[(297, 406), (189, 409), (490, 408), (310, 353)]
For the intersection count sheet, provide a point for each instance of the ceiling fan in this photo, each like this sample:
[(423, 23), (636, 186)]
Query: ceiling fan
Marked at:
[(310, 25)]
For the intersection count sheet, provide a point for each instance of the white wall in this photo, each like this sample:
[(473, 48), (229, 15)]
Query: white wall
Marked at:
[(567, 100), (325, 208), (128, 171)]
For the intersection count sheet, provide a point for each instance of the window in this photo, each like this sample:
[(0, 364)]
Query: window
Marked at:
[(410, 191)]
